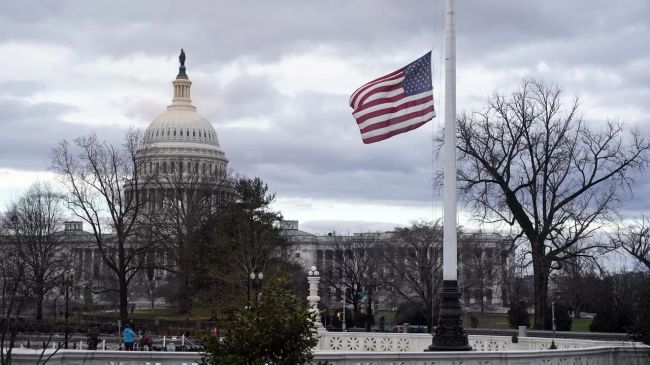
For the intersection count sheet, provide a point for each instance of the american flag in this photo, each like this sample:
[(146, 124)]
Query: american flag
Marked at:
[(396, 103)]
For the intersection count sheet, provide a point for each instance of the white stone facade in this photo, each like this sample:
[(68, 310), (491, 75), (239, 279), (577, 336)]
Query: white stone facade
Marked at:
[(319, 250)]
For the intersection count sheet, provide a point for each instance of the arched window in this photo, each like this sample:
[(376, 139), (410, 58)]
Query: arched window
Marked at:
[(164, 167), (173, 167), (199, 133), (193, 133), (174, 132)]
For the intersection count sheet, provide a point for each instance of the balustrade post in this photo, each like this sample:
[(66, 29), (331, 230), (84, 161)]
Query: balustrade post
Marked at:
[(313, 278)]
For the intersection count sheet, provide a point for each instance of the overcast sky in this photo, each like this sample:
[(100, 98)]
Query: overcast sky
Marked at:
[(274, 78)]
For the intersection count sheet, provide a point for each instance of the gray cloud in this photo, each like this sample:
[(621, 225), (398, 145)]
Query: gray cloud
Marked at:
[(30, 131), (339, 227), (307, 144)]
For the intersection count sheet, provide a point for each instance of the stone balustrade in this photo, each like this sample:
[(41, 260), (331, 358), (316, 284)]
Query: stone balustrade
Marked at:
[(414, 342), (361, 348), (588, 356)]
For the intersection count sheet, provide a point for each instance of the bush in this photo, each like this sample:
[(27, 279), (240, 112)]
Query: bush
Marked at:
[(276, 330), (518, 314), (639, 330), (611, 320), (562, 318), (412, 314)]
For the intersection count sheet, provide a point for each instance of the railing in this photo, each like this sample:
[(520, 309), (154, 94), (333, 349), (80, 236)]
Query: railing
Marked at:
[(164, 343)]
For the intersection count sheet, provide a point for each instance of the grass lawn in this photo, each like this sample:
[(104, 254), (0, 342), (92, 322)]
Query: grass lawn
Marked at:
[(500, 321), (580, 324), (164, 313)]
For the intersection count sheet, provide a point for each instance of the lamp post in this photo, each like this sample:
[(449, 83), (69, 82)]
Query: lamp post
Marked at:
[(255, 279), (67, 281), (313, 278), (343, 326)]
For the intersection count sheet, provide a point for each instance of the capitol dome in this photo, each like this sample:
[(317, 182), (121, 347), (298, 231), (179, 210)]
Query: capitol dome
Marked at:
[(181, 141)]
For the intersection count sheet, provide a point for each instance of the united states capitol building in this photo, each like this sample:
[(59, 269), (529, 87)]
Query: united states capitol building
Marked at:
[(182, 142)]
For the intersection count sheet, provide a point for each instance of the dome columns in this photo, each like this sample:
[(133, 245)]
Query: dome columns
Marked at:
[(182, 92)]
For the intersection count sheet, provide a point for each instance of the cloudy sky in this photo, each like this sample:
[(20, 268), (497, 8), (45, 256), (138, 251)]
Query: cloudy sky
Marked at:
[(274, 79)]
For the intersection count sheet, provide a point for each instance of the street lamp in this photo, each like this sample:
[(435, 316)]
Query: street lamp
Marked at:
[(67, 282), (255, 279)]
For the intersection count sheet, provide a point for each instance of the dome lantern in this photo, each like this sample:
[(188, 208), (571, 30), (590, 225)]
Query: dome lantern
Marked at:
[(182, 85)]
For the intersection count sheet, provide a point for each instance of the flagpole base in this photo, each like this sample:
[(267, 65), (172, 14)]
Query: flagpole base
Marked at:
[(449, 335)]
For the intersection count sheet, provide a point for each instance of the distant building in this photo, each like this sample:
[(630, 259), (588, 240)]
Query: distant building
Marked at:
[(492, 287)]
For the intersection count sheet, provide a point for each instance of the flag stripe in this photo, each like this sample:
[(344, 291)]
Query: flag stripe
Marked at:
[(382, 134), (381, 109), (386, 85), (384, 95), (368, 84), (377, 102), (390, 119)]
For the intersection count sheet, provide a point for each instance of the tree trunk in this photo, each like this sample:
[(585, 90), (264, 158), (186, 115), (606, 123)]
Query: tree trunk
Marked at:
[(540, 274), (39, 308), (124, 301)]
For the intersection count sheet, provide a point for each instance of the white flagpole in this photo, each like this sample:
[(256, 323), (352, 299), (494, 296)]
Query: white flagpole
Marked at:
[(449, 242), (449, 335)]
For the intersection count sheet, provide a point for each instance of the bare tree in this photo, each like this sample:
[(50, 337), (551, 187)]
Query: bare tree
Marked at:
[(530, 161), (413, 265), (11, 299), (104, 189), (191, 200), (578, 282), (634, 238), (353, 269), (483, 263), (35, 224)]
